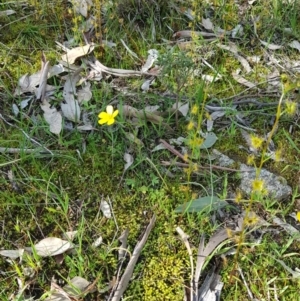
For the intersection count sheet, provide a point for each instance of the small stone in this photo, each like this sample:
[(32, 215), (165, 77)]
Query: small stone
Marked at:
[(276, 186)]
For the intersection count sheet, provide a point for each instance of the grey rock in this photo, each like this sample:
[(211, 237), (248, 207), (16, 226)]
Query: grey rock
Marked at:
[(276, 186)]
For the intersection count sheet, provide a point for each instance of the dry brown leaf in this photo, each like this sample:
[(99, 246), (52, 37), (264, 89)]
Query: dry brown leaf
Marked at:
[(71, 56), (52, 117), (241, 80), (71, 108), (52, 246), (295, 44), (271, 46)]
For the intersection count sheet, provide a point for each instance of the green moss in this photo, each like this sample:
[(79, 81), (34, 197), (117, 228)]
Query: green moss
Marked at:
[(165, 274)]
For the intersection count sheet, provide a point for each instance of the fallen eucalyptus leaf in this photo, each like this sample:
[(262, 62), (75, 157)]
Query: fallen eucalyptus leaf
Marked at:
[(15, 109), (85, 93), (52, 117), (241, 80), (129, 160), (207, 24), (12, 254), (182, 108), (210, 140), (7, 12), (70, 107), (152, 57), (97, 242), (51, 246), (271, 46), (71, 56), (105, 208), (295, 44)]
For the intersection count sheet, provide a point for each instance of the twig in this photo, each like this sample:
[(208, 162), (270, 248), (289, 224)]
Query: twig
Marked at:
[(172, 150), (13, 150), (245, 283), (122, 285), (184, 238), (166, 163)]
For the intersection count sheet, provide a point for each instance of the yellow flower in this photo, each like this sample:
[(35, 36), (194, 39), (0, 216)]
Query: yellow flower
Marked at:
[(258, 185), (108, 116), (195, 142), (185, 157), (251, 219), (256, 142), (298, 216), (194, 110), (290, 107), (190, 126), (251, 160)]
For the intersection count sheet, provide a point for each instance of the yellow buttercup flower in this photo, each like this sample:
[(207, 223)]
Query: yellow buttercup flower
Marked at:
[(298, 216), (108, 116)]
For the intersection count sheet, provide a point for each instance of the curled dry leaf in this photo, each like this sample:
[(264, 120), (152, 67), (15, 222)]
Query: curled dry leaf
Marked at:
[(207, 24), (152, 57), (52, 117), (129, 160), (105, 208), (7, 12), (96, 65), (85, 94), (82, 6), (295, 44), (71, 56), (236, 75), (69, 292), (97, 242), (27, 83), (183, 108), (270, 46), (12, 254), (70, 108), (52, 246)]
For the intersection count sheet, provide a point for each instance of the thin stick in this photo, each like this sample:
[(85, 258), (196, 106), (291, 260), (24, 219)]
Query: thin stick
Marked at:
[(122, 285)]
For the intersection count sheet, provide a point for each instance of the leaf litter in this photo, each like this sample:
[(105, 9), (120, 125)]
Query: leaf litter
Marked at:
[(76, 92)]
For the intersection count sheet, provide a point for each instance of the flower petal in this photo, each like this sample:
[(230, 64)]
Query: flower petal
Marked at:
[(102, 121), (109, 110), (111, 121), (103, 115), (115, 113)]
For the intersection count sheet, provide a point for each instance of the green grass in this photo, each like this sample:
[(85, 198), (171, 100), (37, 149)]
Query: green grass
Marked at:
[(52, 193)]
